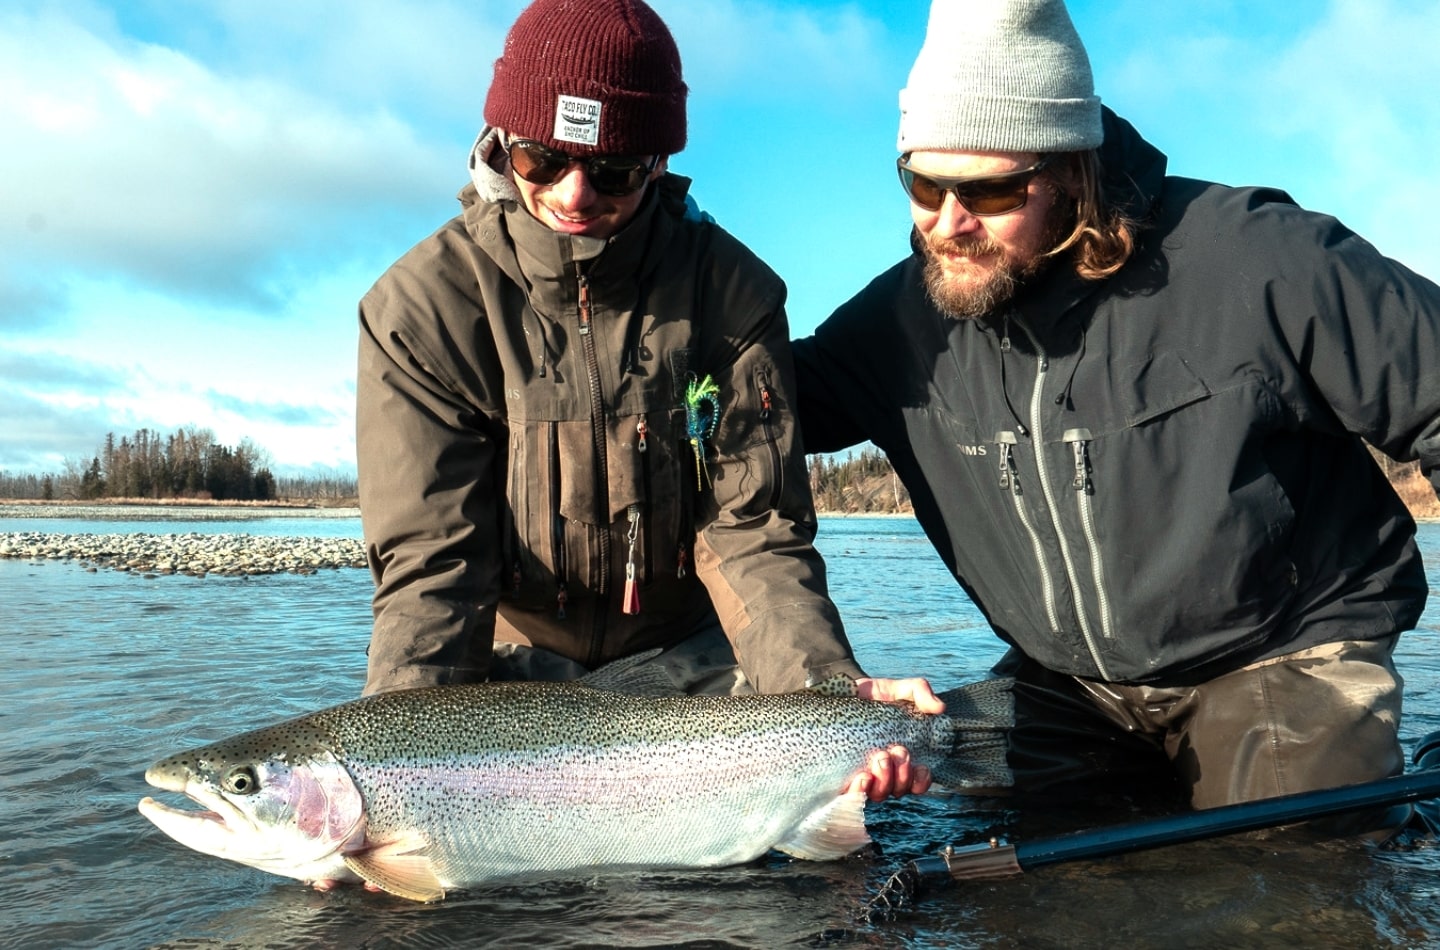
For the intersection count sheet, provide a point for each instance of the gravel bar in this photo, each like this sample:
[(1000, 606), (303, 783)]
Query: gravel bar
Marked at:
[(193, 554), (172, 512)]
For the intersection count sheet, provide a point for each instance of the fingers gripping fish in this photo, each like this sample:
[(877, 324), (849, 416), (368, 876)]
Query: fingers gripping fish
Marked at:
[(427, 790)]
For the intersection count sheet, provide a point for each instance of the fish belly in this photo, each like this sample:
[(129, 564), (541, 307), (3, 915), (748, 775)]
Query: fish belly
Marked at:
[(699, 805)]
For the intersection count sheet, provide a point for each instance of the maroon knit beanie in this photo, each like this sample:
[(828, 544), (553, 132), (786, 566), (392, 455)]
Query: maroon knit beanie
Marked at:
[(590, 77)]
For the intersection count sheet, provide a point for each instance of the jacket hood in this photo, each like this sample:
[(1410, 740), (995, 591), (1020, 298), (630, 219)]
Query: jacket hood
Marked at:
[(1134, 169)]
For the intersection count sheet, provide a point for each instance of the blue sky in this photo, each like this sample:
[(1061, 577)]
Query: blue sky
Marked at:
[(197, 192)]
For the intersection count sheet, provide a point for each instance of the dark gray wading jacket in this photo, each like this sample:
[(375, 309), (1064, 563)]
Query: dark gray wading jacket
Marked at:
[(1160, 476), (521, 406)]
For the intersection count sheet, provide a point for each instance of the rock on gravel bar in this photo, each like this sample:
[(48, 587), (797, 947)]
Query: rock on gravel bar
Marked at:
[(193, 554)]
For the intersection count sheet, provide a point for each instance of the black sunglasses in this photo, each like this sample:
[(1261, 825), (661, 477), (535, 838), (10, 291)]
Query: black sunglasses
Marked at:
[(613, 175), (981, 195)]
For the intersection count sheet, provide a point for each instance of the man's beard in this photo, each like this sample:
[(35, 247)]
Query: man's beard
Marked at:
[(969, 301)]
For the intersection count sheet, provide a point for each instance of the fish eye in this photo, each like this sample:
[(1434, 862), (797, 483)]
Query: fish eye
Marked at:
[(241, 780)]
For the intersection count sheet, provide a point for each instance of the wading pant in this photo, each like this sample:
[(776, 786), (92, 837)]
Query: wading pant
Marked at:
[(1318, 718)]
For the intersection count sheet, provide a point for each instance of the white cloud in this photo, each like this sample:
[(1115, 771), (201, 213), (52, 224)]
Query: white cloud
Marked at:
[(1357, 94), (141, 163), (198, 192)]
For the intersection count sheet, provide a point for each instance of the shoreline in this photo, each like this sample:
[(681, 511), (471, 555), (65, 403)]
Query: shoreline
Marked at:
[(151, 511), (196, 555)]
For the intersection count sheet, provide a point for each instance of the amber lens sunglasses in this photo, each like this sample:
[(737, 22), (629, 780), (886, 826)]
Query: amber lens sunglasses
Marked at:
[(613, 175), (983, 195)]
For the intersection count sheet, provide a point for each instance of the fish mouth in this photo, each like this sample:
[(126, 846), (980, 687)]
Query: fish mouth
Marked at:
[(260, 831), (213, 828), (167, 817)]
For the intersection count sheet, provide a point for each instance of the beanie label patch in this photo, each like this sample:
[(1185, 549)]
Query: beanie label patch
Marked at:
[(577, 120)]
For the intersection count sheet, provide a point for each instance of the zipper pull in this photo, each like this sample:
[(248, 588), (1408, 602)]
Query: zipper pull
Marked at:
[(1008, 477), (631, 602), (515, 579), (560, 598), (681, 559), (642, 429), (1079, 440), (764, 403), (584, 302)]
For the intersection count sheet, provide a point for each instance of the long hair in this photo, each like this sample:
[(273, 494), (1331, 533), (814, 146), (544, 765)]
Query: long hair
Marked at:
[(1103, 234)]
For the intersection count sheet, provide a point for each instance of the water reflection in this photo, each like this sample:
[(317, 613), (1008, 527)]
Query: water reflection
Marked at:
[(102, 673)]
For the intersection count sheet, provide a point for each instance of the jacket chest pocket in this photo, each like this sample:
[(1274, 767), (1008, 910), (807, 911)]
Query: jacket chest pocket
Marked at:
[(533, 531), (651, 494), (578, 520)]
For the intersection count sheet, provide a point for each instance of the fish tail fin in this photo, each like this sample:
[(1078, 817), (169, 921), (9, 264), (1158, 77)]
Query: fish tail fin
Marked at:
[(972, 736)]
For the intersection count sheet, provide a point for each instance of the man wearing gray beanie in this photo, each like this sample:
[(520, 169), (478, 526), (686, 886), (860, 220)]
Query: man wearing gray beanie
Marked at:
[(1132, 413)]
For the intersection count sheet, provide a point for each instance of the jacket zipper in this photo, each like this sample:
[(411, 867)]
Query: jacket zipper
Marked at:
[(647, 511), (602, 473), (1037, 421), (1079, 442), (1010, 482), (512, 530), (776, 468), (557, 524)]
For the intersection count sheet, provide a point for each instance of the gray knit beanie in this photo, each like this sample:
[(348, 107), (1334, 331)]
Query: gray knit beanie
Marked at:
[(1000, 76)]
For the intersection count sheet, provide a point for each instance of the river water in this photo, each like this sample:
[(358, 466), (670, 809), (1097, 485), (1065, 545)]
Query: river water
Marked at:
[(101, 673)]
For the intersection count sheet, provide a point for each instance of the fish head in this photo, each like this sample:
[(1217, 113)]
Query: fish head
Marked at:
[(277, 799)]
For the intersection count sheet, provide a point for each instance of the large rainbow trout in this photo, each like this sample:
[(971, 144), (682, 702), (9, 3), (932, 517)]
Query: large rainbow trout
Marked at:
[(425, 790)]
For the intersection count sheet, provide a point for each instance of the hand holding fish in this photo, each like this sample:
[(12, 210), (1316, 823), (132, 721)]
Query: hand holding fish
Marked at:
[(914, 690), (890, 773)]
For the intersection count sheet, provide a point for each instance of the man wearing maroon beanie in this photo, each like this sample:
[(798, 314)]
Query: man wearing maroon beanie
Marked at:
[(576, 425)]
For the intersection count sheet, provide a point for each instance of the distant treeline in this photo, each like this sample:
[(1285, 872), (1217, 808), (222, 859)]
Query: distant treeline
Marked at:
[(858, 485), (190, 464), (187, 464)]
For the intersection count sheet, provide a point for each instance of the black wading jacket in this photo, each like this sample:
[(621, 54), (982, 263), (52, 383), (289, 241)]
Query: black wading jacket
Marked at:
[(1160, 476)]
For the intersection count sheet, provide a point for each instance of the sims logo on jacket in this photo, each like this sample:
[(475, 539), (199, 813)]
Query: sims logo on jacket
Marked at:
[(577, 120)]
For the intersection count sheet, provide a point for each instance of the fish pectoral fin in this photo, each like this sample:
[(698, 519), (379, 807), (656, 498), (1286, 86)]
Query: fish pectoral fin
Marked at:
[(398, 868), (833, 831)]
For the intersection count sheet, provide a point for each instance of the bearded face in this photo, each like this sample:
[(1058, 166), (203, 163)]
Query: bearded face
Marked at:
[(967, 279), (971, 275), (975, 263)]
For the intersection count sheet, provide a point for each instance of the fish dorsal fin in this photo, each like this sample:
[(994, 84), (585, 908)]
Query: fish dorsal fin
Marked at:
[(839, 684), (634, 675), (397, 867), (832, 831)]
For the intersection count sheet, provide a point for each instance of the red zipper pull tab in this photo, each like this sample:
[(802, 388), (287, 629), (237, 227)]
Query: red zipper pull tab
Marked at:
[(642, 429), (631, 602)]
